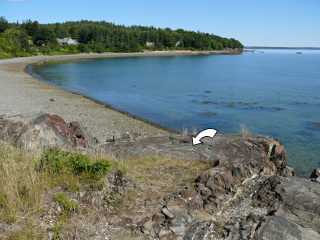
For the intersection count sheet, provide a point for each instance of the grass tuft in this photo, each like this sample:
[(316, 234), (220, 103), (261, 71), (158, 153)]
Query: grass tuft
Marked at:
[(25, 176), (30, 181), (244, 132), (186, 131)]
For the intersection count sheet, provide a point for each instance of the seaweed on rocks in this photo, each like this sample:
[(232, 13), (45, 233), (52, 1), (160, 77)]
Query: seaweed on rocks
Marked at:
[(208, 113), (306, 103), (264, 108), (314, 125)]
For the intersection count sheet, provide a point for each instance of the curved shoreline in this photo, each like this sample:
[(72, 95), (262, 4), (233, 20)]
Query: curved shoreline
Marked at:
[(107, 106), (21, 94)]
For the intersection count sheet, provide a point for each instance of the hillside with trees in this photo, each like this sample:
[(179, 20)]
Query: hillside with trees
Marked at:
[(31, 38)]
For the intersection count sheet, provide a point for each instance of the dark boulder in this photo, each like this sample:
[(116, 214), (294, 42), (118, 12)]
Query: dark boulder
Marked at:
[(42, 131), (315, 175)]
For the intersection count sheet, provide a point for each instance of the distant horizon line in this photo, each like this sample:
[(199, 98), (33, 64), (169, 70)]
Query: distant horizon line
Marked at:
[(268, 47)]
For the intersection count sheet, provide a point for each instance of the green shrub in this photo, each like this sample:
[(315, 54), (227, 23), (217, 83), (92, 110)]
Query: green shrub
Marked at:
[(100, 167), (78, 163), (56, 160), (5, 55), (53, 160), (84, 48)]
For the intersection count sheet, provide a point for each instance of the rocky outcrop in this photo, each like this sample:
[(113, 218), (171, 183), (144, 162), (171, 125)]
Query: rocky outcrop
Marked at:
[(42, 131), (293, 206), (279, 226), (248, 193), (226, 149), (276, 208), (218, 203)]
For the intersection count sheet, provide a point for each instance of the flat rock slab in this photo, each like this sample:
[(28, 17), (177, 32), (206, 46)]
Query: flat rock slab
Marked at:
[(226, 149)]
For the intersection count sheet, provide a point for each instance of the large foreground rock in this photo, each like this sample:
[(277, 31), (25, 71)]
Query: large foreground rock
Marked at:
[(248, 193), (222, 149), (42, 131), (234, 199)]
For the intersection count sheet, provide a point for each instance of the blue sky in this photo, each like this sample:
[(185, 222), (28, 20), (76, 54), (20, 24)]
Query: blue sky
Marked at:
[(289, 23)]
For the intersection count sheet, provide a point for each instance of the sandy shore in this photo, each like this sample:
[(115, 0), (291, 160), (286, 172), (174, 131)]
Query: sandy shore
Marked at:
[(21, 93)]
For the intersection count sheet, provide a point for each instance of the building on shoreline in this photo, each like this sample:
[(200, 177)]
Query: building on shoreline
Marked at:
[(67, 41), (151, 44)]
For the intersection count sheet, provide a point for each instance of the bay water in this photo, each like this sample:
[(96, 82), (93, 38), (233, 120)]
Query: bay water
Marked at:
[(274, 93)]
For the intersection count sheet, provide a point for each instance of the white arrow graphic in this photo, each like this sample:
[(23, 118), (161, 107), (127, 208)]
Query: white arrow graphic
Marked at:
[(210, 132)]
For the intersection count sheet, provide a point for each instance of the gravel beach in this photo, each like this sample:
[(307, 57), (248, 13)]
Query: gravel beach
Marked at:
[(20, 93)]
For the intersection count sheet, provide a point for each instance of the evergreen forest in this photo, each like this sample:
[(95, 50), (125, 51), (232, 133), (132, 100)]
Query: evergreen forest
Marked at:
[(32, 38)]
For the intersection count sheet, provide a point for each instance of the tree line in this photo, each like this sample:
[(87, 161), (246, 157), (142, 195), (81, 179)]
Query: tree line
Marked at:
[(31, 37)]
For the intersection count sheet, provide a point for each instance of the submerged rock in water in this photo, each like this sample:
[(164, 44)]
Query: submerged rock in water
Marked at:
[(314, 125), (43, 131), (208, 113)]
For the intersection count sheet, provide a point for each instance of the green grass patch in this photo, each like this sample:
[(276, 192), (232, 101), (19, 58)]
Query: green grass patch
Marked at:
[(27, 178), (56, 160), (67, 204)]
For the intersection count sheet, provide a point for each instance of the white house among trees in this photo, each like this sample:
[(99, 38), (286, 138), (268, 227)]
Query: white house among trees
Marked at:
[(67, 41), (151, 44)]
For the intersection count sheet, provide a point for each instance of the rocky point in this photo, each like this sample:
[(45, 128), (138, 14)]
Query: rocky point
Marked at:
[(249, 192)]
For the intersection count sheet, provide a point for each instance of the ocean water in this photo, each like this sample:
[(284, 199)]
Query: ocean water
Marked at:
[(274, 93)]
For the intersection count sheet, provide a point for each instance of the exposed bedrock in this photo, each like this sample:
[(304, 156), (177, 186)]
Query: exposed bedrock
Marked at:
[(293, 208), (226, 149), (260, 207), (219, 204), (248, 193)]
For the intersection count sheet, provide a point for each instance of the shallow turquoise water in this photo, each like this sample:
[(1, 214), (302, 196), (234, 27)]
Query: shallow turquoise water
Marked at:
[(276, 93)]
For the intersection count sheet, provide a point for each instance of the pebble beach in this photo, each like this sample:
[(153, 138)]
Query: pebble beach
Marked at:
[(20, 93)]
